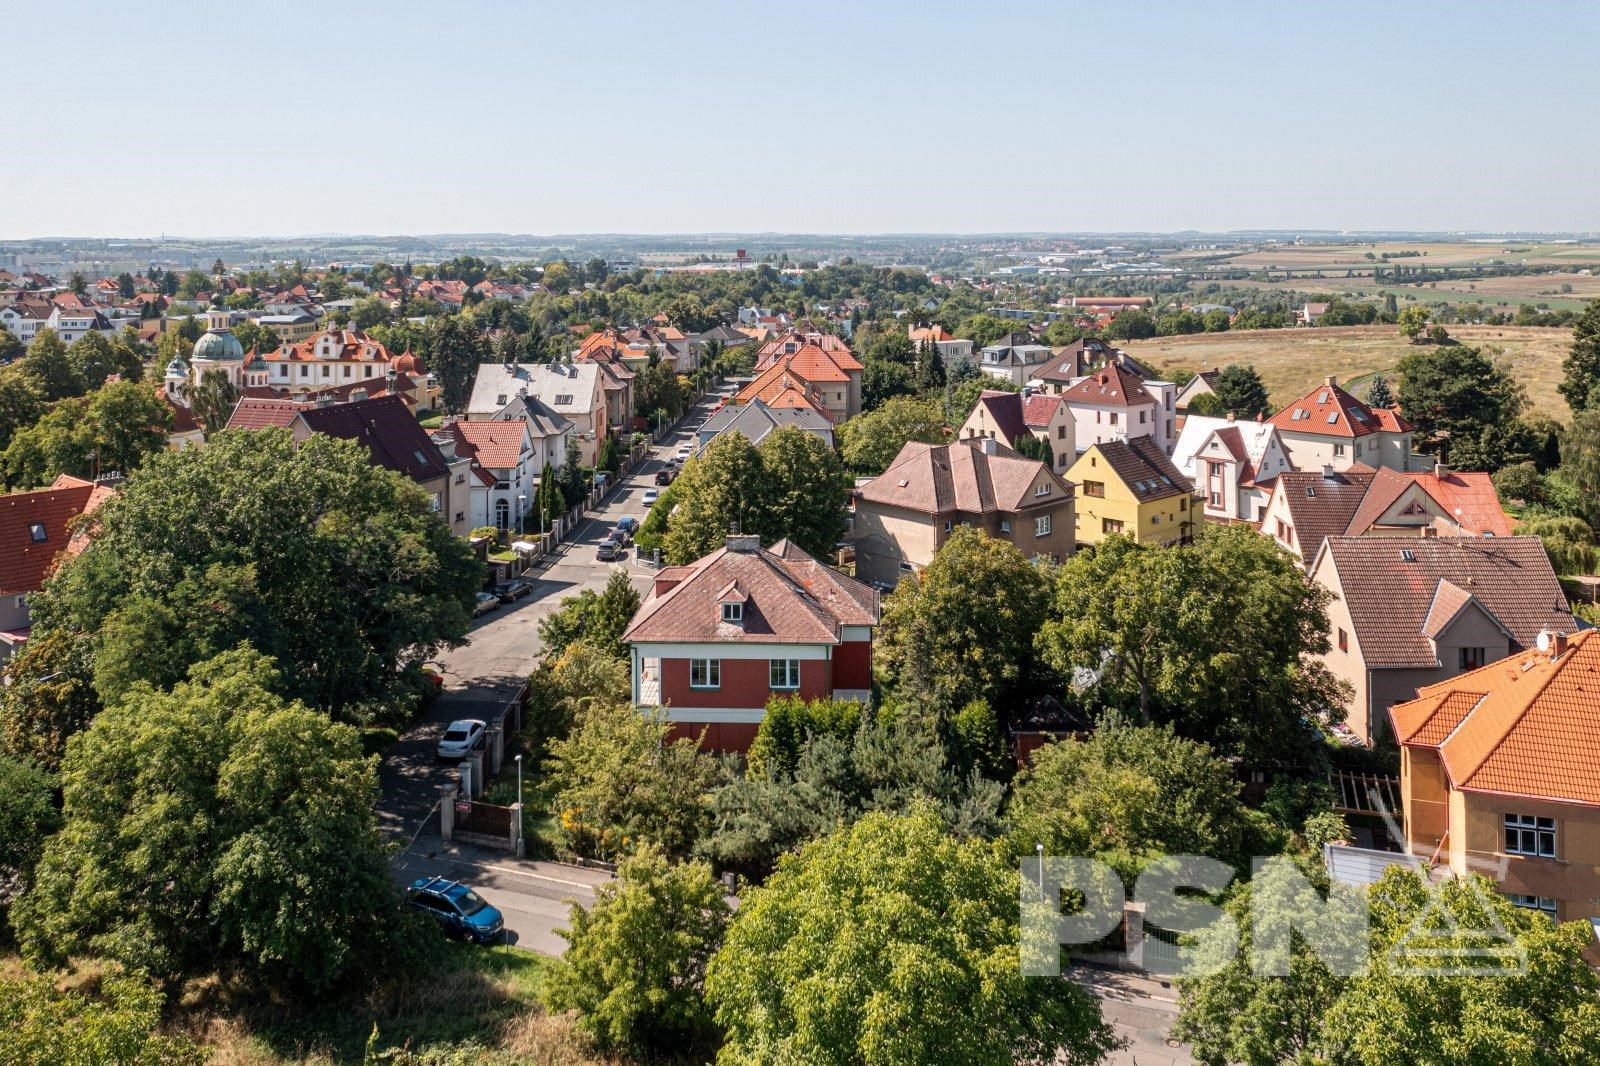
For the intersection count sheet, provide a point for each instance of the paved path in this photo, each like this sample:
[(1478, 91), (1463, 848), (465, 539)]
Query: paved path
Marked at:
[(1141, 1009)]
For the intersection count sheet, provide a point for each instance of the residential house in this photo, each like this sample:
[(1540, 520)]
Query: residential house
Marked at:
[(575, 391), (716, 639), (1010, 416), (1308, 314), (618, 366), (1014, 358), (1071, 363), (904, 515), (34, 533), (292, 327), (1497, 775), (345, 359), (813, 370), (1329, 427), (548, 430), (1115, 404), (25, 317), (1409, 612), (1305, 507), (501, 454), (73, 322), (1232, 464), (1131, 487), (1202, 384), (952, 348), (755, 421)]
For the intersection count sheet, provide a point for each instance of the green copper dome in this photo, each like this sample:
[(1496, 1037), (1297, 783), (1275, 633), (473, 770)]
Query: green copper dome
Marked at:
[(218, 345)]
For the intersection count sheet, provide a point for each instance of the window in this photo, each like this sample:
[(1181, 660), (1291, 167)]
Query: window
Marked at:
[(1338, 449), (1543, 904), (1344, 641), (1530, 835), (1042, 489), (1407, 555), (563, 400), (1214, 469), (1061, 433), (1113, 418), (1472, 658), (1041, 526), (705, 673), (1097, 489), (1216, 499), (1110, 525), (1005, 526), (784, 673), (733, 612), (36, 533), (1141, 417), (906, 568), (1155, 520), (1183, 503)]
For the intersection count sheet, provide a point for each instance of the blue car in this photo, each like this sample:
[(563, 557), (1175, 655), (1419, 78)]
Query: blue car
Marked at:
[(458, 910), (628, 524)]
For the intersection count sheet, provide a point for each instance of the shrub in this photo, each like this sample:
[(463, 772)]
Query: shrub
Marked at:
[(789, 720)]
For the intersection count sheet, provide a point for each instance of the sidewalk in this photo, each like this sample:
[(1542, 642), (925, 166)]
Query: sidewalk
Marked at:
[(1141, 1009)]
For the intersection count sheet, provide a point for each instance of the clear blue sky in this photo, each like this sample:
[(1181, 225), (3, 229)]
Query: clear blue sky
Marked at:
[(867, 116)]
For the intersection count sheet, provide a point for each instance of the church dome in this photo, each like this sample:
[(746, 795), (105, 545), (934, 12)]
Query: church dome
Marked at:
[(257, 361), (218, 345), (177, 368)]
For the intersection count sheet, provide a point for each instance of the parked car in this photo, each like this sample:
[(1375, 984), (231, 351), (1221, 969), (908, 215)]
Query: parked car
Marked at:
[(460, 737), (684, 452), (609, 551), (458, 909), (628, 523), (650, 497), (665, 475), (515, 589), (619, 536), (485, 602)]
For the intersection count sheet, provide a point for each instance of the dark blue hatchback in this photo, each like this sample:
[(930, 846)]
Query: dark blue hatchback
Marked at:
[(458, 910)]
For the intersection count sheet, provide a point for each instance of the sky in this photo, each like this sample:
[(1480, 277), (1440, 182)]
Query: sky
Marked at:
[(872, 116)]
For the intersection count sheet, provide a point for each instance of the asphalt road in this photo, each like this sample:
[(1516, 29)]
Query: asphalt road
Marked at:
[(503, 646)]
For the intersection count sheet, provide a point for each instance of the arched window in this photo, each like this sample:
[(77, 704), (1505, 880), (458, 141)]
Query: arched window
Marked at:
[(502, 514)]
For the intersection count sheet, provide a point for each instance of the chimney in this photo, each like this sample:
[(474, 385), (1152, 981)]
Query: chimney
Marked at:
[(323, 399), (1441, 471), (445, 442), (1230, 416), (1332, 381), (1558, 646), (743, 542), (989, 446)]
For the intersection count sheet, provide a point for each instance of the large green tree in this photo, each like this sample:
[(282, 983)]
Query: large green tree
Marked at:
[(43, 1025), (596, 617), (636, 958), (963, 629), (52, 372), (455, 348), (1581, 384), (892, 942), (1242, 391), (212, 400), (1220, 638), (1456, 393), (28, 816), (20, 403), (113, 429), (870, 441), (335, 567), (50, 696), (217, 823)]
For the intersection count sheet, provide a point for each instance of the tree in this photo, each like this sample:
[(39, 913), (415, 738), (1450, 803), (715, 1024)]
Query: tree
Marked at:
[(1128, 795), (1216, 321), (637, 957), (1568, 541), (335, 567), (50, 697), (455, 348), (28, 816), (1036, 448), (807, 491), (569, 683), (125, 287), (213, 399), (882, 380), (892, 942), (53, 374), (1413, 319), (720, 491), (620, 780), (42, 1025), (370, 311), (1454, 393), (1378, 394), (789, 720), (870, 441), (1581, 385), (983, 329), (1241, 391), (78, 283), (930, 368), (1580, 462), (1131, 325), (1206, 404), (115, 429), (213, 824), (598, 618), (1219, 639), (964, 629)]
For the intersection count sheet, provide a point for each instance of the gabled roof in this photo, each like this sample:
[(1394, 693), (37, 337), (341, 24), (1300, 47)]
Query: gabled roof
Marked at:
[(1528, 725), (1039, 410), (1246, 442), (755, 420), (1322, 504), (495, 445), (388, 430), (788, 598), (1390, 585), (962, 476), (1110, 387), (1329, 411), (1143, 467), (1468, 500), (259, 413), (541, 420), (25, 561), (1005, 411)]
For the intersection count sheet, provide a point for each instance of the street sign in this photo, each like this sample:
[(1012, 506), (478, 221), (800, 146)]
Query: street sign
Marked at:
[(463, 806)]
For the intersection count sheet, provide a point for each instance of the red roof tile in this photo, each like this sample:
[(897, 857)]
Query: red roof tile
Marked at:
[(26, 559)]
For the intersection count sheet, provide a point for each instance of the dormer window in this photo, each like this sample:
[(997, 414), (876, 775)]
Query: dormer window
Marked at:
[(36, 533), (733, 612)]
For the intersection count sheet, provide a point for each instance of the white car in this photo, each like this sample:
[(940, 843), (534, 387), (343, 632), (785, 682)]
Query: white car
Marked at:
[(461, 737), (685, 451), (650, 497)]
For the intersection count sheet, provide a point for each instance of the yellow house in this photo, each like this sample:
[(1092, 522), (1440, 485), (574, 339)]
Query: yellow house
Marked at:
[(1132, 488)]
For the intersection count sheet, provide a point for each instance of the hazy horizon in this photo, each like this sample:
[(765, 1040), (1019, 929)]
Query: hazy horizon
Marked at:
[(714, 118)]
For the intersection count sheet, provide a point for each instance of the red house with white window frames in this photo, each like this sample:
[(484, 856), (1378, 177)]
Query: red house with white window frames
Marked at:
[(715, 639)]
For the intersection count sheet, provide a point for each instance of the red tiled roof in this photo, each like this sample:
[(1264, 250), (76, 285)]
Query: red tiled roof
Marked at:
[(1528, 725), (789, 598), (1390, 585), (494, 445), (1039, 410), (255, 413), (1467, 499), (1111, 387), (943, 478), (25, 561), (1329, 411)]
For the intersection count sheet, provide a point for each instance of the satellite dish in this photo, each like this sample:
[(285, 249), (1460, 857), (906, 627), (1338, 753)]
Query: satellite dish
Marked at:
[(1543, 641)]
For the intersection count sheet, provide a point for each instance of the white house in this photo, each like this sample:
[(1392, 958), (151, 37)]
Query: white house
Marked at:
[(1234, 465), (1014, 358), (1115, 404), (575, 391)]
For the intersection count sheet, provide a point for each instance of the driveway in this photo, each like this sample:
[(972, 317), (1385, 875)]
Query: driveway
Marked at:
[(503, 646)]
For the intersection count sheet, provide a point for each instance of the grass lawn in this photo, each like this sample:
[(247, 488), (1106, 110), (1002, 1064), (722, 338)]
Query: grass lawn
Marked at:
[(1292, 361)]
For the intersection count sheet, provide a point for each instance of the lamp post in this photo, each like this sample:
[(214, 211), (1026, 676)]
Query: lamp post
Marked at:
[(522, 509), (1038, 849), (519, 800)]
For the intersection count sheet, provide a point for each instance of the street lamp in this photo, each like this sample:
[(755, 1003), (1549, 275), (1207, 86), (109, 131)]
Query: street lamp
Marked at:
[(519, 803), (1038, 848), (522, 507)]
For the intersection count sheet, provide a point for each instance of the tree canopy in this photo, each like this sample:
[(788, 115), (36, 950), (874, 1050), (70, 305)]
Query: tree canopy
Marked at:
[(870, 441), (892, 942), (1242, 391), (1581, 383)]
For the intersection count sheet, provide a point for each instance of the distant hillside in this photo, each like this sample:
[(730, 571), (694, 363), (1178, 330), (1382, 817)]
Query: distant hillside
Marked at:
[(1291, 361)]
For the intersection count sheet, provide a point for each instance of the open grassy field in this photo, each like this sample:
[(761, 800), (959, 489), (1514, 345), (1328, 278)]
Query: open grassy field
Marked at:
[(1504, 294), (1292, 361), (1345, 256)]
